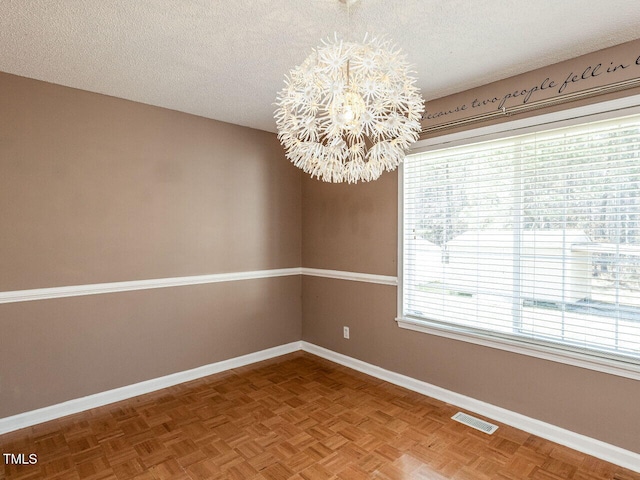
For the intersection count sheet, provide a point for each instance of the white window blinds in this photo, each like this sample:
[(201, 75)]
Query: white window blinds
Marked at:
[(534, 238)]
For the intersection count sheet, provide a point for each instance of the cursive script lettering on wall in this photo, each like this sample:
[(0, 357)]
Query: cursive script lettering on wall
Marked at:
[(605, 67)]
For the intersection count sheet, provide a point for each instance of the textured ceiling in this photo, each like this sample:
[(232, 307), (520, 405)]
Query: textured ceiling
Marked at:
[(227, 59)]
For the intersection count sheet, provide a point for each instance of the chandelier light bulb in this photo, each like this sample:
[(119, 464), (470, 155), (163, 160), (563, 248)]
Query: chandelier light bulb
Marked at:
[(350, 111), (345, 110)]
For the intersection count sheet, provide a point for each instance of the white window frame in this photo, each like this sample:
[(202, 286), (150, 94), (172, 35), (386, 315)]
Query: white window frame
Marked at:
[(591, 113)]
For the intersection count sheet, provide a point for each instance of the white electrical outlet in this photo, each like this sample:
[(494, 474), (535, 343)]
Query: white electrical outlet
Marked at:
[(345, 332)]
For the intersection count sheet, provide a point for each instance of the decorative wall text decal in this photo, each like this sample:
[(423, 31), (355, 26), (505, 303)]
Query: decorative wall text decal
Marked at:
[(622, 63)]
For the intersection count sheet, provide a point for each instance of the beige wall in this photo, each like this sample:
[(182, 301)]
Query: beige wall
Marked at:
[(350, 227), (95, 189), (355, 229)]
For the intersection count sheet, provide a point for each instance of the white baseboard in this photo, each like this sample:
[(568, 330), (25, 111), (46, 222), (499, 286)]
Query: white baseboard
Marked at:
[(582, 443), (77, 405), (590, 446)]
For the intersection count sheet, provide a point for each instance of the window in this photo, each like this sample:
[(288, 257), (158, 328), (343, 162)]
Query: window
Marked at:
[(531, 239)]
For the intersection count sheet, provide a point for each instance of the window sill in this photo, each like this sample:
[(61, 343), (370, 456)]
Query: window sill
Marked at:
[(576, 359)]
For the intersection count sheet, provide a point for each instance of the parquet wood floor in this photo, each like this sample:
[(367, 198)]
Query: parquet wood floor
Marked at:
[(295, 417)]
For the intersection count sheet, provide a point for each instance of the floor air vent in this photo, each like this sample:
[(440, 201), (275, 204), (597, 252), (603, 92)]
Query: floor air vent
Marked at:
[(476, 423)]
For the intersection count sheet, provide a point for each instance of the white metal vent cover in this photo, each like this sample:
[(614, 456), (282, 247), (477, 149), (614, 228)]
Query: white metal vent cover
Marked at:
[(476, 423)]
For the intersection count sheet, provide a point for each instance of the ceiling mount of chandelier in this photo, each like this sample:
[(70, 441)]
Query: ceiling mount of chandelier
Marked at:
[(350, 111)]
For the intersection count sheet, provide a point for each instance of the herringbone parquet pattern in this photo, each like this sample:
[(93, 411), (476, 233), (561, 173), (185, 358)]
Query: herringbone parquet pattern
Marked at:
[(296, 417)]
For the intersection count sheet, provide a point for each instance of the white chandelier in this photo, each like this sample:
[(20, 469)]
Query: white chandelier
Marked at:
[(350, 111)]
